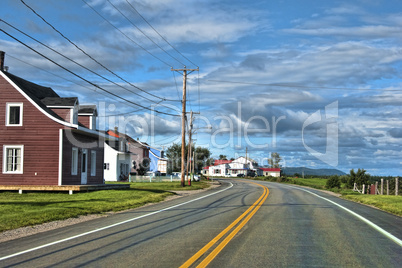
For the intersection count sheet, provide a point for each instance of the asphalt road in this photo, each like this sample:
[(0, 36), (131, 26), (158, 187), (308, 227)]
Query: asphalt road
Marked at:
[(284, 226)]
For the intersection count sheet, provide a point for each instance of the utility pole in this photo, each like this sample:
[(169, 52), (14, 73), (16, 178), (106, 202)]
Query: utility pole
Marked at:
[(183, 119), (189, 148)]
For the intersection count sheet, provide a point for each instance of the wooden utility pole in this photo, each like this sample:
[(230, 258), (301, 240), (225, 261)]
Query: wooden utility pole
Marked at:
[(183, 119), (190, 145)]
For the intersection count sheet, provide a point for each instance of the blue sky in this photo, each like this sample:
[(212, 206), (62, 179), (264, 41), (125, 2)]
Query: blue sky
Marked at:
[(319, 82)]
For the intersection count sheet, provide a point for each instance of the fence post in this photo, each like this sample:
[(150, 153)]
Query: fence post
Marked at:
[(387, 187), (364, 187), (376, 188), (396, 186), (382, 186)]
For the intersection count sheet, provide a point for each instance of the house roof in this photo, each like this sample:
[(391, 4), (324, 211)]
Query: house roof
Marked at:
[(60, 102), (220, 162), (130, 140), (35, 92), (88, 109), (271, 169), (32, 89)]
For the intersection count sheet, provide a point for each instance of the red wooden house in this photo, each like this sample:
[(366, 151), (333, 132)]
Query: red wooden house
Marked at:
[(42, 141)]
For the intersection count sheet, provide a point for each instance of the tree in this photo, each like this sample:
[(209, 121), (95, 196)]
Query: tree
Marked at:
[(333, 182), (222, 157), (210, 162), (360, 177), (173, 153), (273, 162), (201, 157), (144, 166)]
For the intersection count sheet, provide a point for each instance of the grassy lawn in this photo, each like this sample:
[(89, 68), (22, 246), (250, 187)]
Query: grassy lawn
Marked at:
[(31, 208)]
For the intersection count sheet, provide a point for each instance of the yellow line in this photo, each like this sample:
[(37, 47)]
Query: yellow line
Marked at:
[(227, 229), (219, 248)]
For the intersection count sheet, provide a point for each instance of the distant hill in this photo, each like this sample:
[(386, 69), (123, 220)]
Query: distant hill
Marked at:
[(290, 171)]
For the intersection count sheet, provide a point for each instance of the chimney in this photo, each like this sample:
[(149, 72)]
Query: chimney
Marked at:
[(2, 55), (116, 130)]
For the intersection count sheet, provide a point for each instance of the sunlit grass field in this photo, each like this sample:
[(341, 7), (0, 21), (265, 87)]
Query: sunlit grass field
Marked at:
[(31, 208)]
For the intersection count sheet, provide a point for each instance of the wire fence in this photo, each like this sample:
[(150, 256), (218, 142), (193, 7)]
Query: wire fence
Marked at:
[(171, 178)]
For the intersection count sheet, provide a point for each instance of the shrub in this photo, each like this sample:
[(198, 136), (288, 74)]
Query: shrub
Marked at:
[(333, 182), (344, 178)]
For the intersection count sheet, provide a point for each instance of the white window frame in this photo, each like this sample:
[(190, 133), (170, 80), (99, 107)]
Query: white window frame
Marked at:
[(7, 147), (74, 161), (93, 163), (14, 104)]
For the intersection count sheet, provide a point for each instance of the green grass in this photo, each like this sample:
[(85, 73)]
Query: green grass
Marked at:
[(31, 208), (389, 203)]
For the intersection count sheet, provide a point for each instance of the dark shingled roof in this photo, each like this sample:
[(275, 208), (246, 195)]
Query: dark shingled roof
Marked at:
[(35, 92), (54, 101), (87, 109)]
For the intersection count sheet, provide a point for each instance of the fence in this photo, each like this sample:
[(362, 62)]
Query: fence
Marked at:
[(376, 190), (170, 178)]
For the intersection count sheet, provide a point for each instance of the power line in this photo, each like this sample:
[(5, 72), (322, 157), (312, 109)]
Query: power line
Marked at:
[(178, 94), (82, 78), (298, 86), (71, 81), (71, 42), (144, 33), (100, 15), (80, 64), (159, 33)]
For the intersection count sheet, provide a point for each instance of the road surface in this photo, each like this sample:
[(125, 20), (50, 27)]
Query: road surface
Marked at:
[(240, 224)]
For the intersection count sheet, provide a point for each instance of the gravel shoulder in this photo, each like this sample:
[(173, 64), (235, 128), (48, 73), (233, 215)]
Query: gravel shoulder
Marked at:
[(31, 230)]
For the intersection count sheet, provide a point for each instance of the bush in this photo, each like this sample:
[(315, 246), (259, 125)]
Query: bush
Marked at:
[(333, 182), (344, 178)]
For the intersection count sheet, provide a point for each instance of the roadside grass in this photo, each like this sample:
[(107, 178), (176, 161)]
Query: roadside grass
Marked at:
[(388, 203), (32, 208)]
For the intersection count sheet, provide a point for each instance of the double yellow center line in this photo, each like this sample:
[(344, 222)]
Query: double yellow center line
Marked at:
[(246, 216)]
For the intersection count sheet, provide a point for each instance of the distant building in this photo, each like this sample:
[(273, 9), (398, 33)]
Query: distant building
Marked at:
[(273, 172)]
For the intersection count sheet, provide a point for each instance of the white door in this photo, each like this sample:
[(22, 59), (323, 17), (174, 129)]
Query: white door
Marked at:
[(84, 166)]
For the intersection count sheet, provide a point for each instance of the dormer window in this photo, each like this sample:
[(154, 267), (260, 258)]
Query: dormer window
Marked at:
[(14, 114)]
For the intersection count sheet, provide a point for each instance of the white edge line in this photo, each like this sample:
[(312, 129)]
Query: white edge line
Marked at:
[(110, 226), (376, 227)]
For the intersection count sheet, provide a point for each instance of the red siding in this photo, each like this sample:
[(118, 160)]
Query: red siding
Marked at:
[(63, 113), (84, 120), (40, 137), (73, 139)]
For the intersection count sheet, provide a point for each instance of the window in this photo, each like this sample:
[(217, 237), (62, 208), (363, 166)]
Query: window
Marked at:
[(14, 114), (74, 161), (13, 159), (93, 163)]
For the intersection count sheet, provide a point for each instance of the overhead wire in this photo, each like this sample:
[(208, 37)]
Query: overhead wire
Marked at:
[(159, 33), (80, 64), (178, 94), (111, 24), (82, 78), (71, 42), (143, 32), (298, 86), (71, 81)]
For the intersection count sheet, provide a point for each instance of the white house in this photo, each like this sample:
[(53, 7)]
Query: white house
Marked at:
[(117, 160), (220, 170), (273, 172), (229, 168)]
